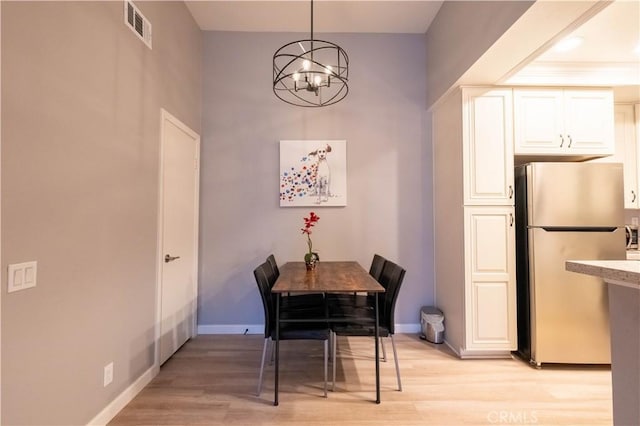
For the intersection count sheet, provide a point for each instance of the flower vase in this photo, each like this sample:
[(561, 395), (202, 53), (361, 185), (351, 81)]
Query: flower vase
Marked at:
[(310, 261)]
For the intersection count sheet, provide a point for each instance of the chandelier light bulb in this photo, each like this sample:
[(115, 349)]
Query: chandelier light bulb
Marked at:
[(296, 76), (328, 69), (317, 80), (306, 65)]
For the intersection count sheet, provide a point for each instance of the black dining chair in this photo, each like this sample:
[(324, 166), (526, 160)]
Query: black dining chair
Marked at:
[(375, 270), (293, 301), (377, 263), (288, 331), (271, 260), (391, 279)]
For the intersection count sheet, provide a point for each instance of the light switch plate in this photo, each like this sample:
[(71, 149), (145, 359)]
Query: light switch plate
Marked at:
[(22, 276), (108, 374)]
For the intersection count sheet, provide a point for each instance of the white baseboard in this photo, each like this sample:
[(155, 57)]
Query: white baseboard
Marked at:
[(231, 329), (110, 411), (259, 328), (479, 353), (408, 328)]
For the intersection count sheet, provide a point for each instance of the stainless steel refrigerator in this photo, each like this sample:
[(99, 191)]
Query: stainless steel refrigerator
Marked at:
[(565, 211)]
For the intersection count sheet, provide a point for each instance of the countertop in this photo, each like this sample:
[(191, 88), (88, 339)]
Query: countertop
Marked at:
[(623, 287), (621, 272)]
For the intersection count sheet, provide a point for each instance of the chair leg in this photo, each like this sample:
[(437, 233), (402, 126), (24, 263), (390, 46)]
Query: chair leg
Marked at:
[(264, 352), (326, 357), (335, 343), (273, 352), (384, 351), (395, 358)]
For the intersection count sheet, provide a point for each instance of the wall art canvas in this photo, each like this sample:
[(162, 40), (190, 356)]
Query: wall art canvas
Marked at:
[(313, 173)]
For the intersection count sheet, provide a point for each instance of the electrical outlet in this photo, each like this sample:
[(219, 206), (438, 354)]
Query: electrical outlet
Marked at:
[(108, 374), (22, 276)]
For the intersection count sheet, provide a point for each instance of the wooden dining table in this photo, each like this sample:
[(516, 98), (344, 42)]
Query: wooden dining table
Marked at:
[(327, 277)]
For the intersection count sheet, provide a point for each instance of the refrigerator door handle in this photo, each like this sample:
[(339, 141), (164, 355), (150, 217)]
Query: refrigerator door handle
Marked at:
[(579, 229)]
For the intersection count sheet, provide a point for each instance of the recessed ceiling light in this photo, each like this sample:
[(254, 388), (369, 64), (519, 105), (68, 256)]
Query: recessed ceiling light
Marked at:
[(567, 44)]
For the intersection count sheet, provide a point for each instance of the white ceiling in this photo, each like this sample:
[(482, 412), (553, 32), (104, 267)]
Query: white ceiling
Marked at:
[(335, 16), (605, 58), (608, 55)]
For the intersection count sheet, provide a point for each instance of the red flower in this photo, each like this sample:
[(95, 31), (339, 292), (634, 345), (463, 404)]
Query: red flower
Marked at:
[(309, 222)]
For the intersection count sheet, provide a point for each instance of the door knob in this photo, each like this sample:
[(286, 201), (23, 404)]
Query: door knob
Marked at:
[(168, 258)]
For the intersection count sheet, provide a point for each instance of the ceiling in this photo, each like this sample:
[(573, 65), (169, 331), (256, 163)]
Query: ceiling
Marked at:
[(333, 16), (606, 56)]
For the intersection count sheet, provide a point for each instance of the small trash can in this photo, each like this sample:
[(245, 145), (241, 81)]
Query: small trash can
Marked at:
[(432, 324)]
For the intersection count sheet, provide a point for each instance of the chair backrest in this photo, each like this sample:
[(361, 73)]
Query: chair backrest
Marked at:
[(271, 273), (261, 273), (274, 266), (376, 266), (391, 279)]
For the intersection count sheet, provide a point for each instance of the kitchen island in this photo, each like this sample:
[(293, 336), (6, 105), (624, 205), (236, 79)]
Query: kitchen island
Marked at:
[(623, 282)]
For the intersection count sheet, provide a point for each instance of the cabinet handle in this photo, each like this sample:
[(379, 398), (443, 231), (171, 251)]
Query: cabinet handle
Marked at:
[(570, 141), (633, 194), (510, 192), (511, 219), (561, 141)]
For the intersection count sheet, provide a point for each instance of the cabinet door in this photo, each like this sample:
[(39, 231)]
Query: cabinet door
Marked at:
[(627, 153), (488, 146), (490, 291), (538, 121), (589, 121)]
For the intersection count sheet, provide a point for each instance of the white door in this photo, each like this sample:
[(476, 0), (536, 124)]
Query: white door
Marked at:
[(178, 239)]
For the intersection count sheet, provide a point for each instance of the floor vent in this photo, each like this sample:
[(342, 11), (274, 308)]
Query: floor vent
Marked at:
[(140, 25)]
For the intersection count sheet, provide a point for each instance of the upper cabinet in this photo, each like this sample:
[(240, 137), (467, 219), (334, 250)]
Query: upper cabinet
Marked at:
[(487, 126), (627, 142), (627, 153), (563, 122)]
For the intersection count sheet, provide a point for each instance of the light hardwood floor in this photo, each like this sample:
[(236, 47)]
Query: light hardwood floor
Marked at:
[(212, 380)]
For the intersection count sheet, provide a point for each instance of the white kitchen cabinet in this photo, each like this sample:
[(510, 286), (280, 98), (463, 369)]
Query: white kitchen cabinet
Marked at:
[(474, 241), (487, 125), (627, 152), (490, 292), (563, 122)]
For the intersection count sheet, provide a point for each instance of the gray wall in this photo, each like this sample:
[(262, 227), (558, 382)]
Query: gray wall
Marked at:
[(81, 106), (385, 124), (458, 36)]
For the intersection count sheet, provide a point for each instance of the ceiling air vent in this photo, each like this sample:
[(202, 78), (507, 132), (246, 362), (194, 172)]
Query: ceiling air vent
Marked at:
[(140, 25)]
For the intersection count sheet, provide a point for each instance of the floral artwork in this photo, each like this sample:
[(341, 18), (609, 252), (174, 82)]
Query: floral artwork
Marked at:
[(313, 173)]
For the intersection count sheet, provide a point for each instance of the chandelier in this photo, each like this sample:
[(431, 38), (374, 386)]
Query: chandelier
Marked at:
[(310, 73)]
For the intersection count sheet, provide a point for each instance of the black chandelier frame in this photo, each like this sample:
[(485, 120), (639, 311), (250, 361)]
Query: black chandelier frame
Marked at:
[(326, 70)]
